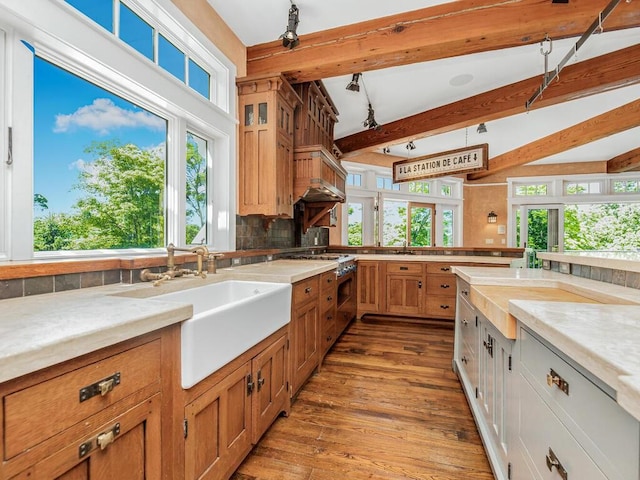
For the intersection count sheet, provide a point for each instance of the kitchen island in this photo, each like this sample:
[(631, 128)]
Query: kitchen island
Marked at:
[(549, 363)]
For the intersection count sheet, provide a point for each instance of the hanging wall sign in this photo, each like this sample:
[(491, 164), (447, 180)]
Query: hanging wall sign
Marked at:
[(464, 160)]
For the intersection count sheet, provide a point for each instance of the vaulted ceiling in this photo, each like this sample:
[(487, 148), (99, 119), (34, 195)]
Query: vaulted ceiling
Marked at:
[(434, 70)]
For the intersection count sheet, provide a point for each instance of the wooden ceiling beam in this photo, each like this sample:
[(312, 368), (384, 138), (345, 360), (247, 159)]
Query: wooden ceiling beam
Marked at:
[(617, 69), (601, 126), (448, 30), (625, 162)]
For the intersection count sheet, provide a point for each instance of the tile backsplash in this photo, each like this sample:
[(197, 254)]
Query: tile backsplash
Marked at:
[(599, 274)]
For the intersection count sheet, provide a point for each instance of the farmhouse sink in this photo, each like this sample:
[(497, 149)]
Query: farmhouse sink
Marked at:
[(228, 318)]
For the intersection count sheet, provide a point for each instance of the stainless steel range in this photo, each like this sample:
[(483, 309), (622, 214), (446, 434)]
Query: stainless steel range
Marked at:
[(345, 263)]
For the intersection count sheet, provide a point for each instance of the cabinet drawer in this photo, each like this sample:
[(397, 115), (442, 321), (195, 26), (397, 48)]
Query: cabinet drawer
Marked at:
[(540, 430), (413, 268), (440, 306), (611, 437), (327, 299), (305, 290), (328, 335), (37, 413), (438, 268), (328, 281), (441, 285)]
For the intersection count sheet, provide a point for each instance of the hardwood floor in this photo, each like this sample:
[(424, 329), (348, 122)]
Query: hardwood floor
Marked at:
[(386, 405)]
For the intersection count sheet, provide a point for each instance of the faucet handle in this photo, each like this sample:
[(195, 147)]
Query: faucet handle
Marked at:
[(211, 261)]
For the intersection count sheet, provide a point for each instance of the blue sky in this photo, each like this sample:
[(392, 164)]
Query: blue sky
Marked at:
[(69, 114)]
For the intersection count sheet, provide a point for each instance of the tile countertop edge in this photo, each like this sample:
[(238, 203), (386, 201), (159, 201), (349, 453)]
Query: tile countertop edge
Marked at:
[(624, 380)]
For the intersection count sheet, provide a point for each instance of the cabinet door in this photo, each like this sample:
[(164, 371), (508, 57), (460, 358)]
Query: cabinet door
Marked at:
[(218, 427), (284, 177), (270, 396), (368, 287), (404, 294), (130, 449), (305, 345)]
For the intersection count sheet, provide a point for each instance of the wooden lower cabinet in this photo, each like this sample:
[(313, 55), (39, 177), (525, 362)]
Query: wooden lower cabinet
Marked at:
[(404, 294), (218, 427), (132, 450), (305, 332), (223, 423), (368, 287), (94, 417)]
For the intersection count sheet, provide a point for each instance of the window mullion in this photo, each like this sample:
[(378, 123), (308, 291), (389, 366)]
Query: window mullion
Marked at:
[(176, 179)]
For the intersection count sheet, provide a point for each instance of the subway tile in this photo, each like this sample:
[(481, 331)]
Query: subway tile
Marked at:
[(38, 285), (11, 288)]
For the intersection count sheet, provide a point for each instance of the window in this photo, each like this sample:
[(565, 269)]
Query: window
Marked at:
[(354, 213), (133, 30), (602, 226), (419, 187), (530, 190), (115, 166), (394, 223), (196, 189), (626, 186), (99, 164), (447, 228), (386, 183), (171, 58), (354, 179), (446, 190), (582, 188)]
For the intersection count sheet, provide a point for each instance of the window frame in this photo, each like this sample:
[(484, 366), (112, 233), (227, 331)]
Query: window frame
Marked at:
[(57, 32)]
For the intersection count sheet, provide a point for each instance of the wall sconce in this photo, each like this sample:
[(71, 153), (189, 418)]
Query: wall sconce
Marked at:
[(492, 217)]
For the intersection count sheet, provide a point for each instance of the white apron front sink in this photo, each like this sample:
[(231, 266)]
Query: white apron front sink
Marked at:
[(228, 318)]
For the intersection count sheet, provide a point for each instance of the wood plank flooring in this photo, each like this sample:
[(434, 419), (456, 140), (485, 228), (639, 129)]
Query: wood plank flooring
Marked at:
[(386, 405)]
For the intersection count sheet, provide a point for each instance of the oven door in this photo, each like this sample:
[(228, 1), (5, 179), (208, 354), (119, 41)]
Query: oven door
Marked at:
[(346, 300)]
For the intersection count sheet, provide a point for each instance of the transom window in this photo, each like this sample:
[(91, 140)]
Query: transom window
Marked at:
[(354, 179), (386, 183), (419, 187), (145, 37), (626, 186), (582, 188), (522, 190)]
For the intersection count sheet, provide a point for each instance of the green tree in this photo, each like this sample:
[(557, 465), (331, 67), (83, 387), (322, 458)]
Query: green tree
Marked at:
[(122, 207), (421, 223), (196, 190), (354, 229)]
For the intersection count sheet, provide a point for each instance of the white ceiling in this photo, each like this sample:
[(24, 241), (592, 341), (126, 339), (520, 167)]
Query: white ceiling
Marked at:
[(398, 92)]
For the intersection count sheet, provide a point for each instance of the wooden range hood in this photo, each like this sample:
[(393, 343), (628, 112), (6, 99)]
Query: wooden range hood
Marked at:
[(319, 182)]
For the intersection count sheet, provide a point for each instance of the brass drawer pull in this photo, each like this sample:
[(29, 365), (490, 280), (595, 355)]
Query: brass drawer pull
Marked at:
[(554, 379), (445, 269), (552, 461), (465, 292), (102, 440), (404, 268), (444, 285), (101, 387), (444, 307), (307, 290)]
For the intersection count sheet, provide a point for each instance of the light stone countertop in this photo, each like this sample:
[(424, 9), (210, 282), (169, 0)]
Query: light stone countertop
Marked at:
[(43, 330), (602, 337), (629, 261), (489, 259)]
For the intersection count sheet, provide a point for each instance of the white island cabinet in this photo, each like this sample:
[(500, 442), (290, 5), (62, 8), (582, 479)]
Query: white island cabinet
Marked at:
[(550, 381), (483, 362)]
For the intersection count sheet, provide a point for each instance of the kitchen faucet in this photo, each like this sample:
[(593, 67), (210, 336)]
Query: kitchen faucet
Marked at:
[(200, 250)]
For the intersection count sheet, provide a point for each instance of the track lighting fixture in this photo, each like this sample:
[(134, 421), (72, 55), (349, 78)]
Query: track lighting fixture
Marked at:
[(482, 128), (370, 121), (290, 37), (353, 84), (410, 146), (386, 150)]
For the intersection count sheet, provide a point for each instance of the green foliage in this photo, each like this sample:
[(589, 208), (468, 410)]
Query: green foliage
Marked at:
[(354, 229), (122, 206), (421, 227), (609, 226), (196, 190)]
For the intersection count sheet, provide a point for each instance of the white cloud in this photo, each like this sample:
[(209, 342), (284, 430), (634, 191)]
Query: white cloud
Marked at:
[(103, 115)]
